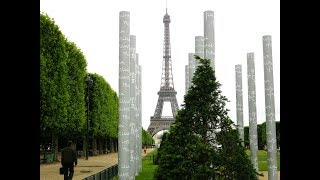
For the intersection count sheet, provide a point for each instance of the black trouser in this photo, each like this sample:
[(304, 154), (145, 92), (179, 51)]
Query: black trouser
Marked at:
[(66, 169)]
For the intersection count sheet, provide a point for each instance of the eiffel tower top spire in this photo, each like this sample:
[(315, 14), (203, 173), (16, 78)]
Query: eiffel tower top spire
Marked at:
[(166, 6), (167, 77)]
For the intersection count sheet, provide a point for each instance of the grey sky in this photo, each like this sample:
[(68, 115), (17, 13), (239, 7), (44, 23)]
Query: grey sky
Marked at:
[(239, 26)]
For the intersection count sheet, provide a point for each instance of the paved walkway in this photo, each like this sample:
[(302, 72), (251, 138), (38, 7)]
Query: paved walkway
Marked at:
[(265, 177), (85, 168)]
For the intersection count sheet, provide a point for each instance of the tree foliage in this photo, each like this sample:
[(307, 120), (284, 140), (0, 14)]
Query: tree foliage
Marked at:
[(246, 136), (278, 133), (147, 140), (54, 96), (63, 91), (113, 129), (202, 142), (76, 113), (102, 110), (262, 136)]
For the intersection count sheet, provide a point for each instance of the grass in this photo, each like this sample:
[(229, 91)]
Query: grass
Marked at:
[(263, 160), (148, 168)]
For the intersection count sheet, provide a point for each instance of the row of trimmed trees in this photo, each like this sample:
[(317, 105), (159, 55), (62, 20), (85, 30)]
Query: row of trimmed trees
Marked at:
[(262, 138), (147, 140), (64, 93)]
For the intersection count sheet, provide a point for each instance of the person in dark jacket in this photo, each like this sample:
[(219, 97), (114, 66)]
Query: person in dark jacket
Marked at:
[(68, 159)]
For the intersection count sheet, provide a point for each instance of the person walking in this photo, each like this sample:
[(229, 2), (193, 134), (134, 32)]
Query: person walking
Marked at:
[(68, 160), (145, 149)]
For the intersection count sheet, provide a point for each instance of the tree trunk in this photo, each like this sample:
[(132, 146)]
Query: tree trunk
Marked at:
[(55, 146), (111, 145), (94, 147), (100, 146), (106, 145), (84, 147), (116, 145)]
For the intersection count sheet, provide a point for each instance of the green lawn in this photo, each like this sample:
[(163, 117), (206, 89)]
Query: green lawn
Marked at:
[(263, 160), (148, 168)]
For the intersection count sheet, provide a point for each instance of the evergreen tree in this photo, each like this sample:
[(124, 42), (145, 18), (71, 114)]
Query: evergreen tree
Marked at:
[(203, 143)]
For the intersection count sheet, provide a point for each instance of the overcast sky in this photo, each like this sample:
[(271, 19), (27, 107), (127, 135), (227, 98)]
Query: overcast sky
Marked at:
[(239, 26)]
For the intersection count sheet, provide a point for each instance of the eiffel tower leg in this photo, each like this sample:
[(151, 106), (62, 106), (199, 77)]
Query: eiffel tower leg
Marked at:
[(174, 106), (158, 111)]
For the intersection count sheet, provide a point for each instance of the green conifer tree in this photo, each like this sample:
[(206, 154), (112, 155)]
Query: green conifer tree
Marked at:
[(203, 143)]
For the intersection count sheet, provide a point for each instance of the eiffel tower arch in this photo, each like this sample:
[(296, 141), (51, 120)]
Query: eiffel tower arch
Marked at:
[(167, 92)]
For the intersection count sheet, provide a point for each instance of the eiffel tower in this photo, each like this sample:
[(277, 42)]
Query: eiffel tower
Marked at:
[(167, 92)]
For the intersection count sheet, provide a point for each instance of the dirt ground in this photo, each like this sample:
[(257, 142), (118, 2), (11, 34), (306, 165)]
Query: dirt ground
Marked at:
[(84, 168)]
